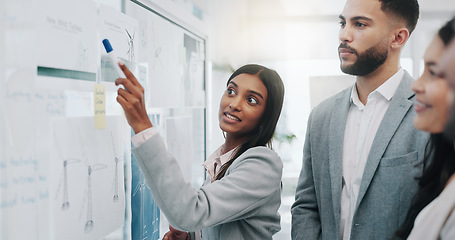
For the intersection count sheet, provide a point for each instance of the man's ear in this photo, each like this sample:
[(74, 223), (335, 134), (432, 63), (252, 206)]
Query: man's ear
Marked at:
[(400, 36)]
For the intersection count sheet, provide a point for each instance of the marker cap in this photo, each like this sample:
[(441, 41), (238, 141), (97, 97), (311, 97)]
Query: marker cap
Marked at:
[(107, 45)]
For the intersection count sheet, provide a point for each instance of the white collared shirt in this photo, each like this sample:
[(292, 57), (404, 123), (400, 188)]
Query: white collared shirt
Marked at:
[(143, 136), (216, 160), (210, 166), (361, 126)]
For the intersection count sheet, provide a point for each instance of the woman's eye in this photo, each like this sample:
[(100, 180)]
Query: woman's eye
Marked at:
[(230, 91), (252, 100)]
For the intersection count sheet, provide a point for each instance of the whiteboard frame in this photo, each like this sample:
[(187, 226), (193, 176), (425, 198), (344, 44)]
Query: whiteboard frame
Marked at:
[(175, 14)]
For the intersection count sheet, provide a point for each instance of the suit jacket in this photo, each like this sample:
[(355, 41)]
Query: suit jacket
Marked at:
[(389, 180), (242, 205)]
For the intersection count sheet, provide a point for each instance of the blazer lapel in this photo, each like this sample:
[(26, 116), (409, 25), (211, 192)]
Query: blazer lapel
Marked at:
[(337, 127), (399, 106)]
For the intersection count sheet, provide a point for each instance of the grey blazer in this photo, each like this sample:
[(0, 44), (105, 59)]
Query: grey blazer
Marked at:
[(242, 205), (388, 183)]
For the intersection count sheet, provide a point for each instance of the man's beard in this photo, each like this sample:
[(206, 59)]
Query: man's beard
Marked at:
[(367, 62)]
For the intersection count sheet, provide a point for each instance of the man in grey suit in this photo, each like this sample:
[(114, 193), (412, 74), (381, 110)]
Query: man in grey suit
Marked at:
[(362, 153)]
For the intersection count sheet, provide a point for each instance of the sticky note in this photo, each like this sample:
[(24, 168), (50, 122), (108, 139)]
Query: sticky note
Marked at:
[(100, 106)]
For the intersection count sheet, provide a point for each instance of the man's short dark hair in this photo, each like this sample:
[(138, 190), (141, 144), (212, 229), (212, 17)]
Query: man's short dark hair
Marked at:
[(407, 10)]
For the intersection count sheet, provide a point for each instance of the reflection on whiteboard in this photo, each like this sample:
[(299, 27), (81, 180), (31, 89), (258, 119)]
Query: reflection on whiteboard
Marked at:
[(179, 137), (24, 167), (87, 190), (176, 70), (145, 214), (24, 203), (194, 71), (179, 140), (122, 31), (145, 222)]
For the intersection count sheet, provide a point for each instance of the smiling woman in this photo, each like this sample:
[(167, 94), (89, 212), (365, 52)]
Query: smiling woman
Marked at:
[(242, 106), (431, 92), (259, 98), (432, 114), (229, 205)]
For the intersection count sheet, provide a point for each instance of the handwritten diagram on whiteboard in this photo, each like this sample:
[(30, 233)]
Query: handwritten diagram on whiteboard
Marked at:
[(173, 60), (87, 190), (53, 183), (67, 42), (122, 32)]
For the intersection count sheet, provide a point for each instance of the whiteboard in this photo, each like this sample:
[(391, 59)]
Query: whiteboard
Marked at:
[(172, 60), (65, 146)]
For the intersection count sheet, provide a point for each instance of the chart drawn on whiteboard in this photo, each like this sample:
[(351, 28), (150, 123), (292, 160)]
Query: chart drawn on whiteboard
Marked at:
[(89, 224), (91, 168), (121, 30), (115, 181), (83, 56), (64, 177), (156, 49), (157, 57), (130, 52), (96, 199)]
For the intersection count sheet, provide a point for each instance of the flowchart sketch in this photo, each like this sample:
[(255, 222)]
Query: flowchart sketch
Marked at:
[(88, 198), (122, 32)]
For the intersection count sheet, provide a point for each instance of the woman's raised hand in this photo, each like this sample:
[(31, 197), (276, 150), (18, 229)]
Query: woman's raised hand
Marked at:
[(132, 100)]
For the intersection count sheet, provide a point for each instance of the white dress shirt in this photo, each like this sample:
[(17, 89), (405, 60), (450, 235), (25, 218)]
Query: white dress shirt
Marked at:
[(361, 126), (212, 164), (143, 136), (215, 161)]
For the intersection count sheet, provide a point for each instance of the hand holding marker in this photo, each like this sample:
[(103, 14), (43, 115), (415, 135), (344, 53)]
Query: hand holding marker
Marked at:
[(113, 57)]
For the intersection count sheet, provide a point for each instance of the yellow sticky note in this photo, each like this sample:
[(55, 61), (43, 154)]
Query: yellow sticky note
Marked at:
[(100, 106)]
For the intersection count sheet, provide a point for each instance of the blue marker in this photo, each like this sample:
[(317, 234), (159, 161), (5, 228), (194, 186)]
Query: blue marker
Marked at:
[(114, 59)]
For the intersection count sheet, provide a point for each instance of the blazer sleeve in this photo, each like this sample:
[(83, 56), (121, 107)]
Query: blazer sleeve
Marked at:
[(250, 182), (306, 222)]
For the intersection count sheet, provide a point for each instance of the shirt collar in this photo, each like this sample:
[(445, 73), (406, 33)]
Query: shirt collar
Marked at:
[(387, 89), (221, 159)]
